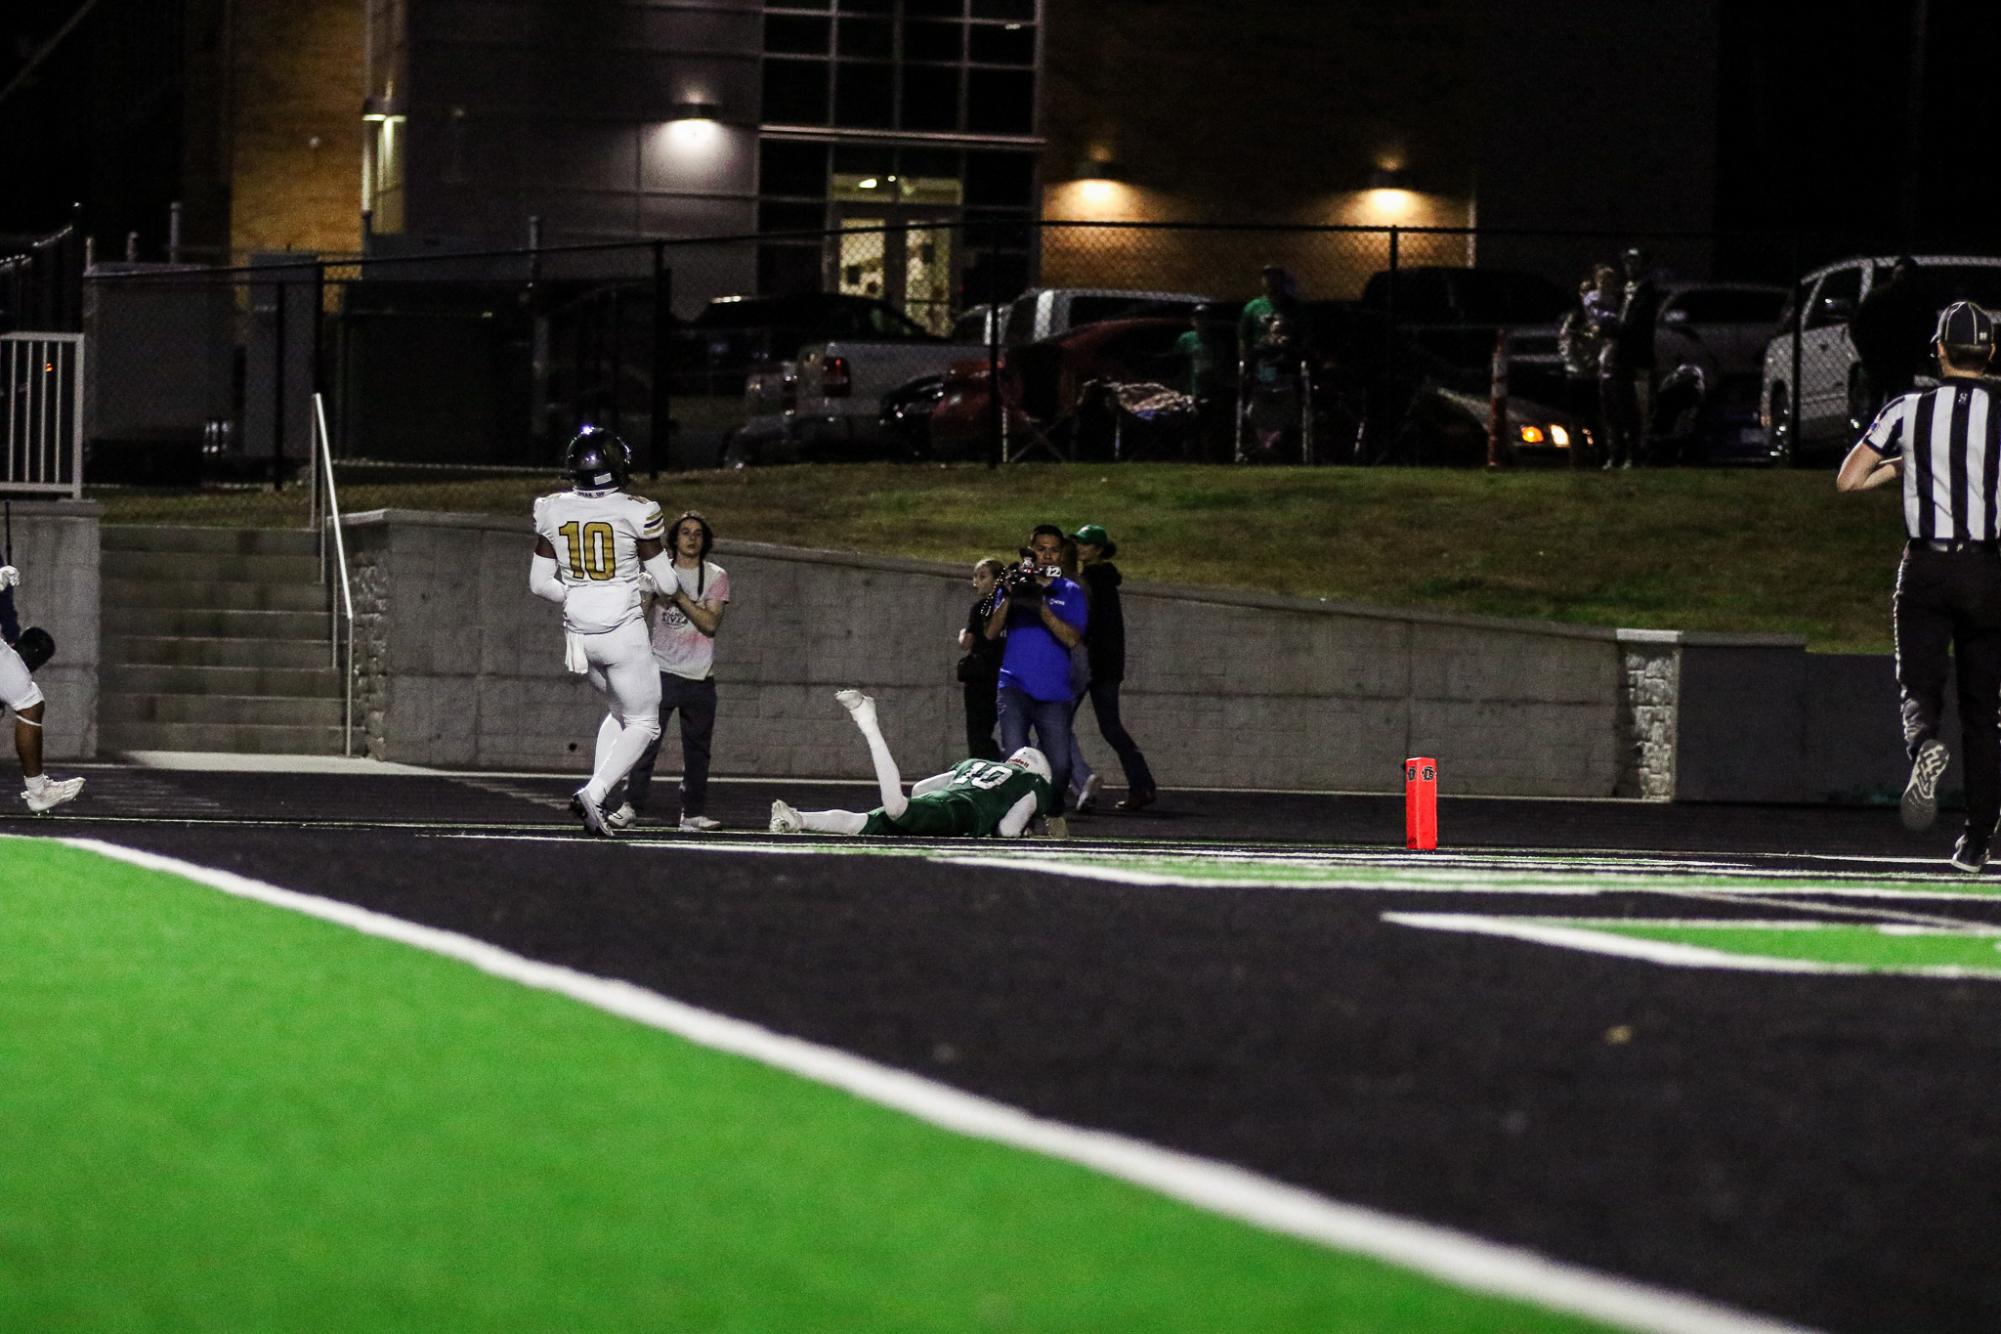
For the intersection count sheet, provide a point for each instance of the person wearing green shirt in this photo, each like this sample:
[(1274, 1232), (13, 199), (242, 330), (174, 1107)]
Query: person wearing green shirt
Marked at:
[(1278, 299), (974, 799)]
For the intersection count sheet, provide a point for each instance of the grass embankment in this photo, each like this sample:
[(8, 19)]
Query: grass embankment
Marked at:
[(1686, 550)]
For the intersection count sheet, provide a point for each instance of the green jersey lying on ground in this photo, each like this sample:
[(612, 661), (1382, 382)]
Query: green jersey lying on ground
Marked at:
[(974, 801)]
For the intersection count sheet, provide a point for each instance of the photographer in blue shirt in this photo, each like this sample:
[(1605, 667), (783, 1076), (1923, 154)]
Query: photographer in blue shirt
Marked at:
[(1043, 616)]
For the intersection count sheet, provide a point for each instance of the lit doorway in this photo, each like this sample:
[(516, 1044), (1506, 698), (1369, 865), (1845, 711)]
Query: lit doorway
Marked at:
[(894, 241)]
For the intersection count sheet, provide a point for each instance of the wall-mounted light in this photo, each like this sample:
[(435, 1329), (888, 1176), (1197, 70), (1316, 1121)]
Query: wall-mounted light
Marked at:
[(1389, 178), (694, 109), (1097, 170)]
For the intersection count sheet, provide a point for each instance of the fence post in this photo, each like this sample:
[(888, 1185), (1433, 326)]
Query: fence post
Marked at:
[(994, 411), (278, 389), (1793, 388), (1386, 382), (1497, 400), (660, 439)]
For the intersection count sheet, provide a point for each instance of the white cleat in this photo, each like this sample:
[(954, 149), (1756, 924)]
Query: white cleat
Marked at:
[(860, 705), (52, 795), (591, 814), (699, 824), (623, 818), (785, 820)]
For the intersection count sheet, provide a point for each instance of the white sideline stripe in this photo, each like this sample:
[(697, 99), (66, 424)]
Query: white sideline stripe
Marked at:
[(1219, 1188), (1666, 952)]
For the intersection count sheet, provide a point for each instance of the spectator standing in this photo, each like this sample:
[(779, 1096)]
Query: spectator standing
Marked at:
[(687, 613), (1580, 346), (1206, 348), (979, 668), (1949, 583), (1280, 297), (1615, 407), (1891, 331), (1633, 349), (1105, 642), (1043, 616)]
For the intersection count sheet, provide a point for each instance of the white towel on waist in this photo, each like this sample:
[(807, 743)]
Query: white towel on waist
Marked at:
[(573, 653)]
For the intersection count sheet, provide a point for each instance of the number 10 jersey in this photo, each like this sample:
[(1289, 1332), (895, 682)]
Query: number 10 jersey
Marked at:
[(596, 535)]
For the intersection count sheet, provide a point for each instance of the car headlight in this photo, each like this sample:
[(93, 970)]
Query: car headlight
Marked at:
[(1558, 436)]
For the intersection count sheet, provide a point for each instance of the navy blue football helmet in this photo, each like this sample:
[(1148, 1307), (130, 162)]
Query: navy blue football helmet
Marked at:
[(596, 459)]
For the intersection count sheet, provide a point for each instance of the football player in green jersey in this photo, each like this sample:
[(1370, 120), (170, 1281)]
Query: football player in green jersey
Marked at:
[(975, 799)]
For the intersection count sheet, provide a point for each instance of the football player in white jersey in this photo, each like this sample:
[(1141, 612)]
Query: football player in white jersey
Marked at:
[(591, 544)]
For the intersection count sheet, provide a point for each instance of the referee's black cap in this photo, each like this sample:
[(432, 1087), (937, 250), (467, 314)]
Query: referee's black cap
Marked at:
[(1963, 324)]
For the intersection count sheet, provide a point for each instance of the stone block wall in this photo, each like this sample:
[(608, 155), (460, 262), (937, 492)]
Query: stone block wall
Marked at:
[(55, 546), (460, 665)]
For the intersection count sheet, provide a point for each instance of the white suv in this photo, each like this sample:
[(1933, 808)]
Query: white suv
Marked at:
[(1814, 412)]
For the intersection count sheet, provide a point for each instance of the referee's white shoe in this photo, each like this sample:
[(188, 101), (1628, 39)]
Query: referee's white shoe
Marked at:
[(1920, 804)]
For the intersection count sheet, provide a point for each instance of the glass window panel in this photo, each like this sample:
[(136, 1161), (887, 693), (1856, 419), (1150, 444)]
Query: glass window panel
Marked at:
[(933, 41), (928, 162), (795, 92), (1000, 101), (864, 159), (791, 217), (1000, 180), (934, 8), (792, 169), (795, 34), (1020, 10), (864, 95), (1003, 44), (930, 97), (868, 6), (869, 38)]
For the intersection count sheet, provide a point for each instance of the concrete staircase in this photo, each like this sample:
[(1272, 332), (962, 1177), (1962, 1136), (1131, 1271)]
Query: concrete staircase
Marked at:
[(216, 639)]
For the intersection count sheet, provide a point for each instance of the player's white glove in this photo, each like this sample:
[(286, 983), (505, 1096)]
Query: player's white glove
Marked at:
[(9, 577), (647, 588)]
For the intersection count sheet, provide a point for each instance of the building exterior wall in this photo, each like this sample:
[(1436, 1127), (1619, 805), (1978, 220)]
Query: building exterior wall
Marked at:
[(295, 132)]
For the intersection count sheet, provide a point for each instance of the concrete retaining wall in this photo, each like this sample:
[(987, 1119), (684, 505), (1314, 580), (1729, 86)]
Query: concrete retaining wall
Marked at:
[(461, 666), (56, 550)]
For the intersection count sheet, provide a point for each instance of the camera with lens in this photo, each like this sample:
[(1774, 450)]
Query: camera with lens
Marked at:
[(1021, 582)]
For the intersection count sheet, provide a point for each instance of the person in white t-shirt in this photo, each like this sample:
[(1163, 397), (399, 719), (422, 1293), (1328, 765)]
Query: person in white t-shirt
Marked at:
[(687, 612), (593, 544)]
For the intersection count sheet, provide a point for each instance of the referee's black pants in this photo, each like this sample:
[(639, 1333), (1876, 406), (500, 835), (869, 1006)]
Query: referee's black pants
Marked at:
[(1954, 598)]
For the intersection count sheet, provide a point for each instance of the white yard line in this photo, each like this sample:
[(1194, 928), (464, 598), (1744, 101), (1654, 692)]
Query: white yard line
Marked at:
[(1454, 1257), (1604, 942)]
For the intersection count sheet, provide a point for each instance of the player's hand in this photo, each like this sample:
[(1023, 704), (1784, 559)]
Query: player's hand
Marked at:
[(647, 588), (9, 577)]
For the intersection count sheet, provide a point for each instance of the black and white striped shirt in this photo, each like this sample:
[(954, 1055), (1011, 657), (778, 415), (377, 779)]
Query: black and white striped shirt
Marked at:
[(1950, 440)]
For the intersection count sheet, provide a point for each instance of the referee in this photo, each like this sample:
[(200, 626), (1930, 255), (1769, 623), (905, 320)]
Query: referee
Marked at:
[(1946, 444)]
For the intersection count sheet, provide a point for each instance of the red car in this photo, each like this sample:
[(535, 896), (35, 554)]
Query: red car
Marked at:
[(1042, 383)]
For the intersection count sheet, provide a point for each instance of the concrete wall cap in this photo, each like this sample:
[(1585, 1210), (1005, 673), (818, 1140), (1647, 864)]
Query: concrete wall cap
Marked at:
[(56, 509)]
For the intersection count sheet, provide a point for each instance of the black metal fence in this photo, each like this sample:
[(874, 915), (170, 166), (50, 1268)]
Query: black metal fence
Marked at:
[(1223, 343)]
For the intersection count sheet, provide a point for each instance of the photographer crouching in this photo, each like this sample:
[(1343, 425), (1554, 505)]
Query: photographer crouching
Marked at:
[(1043, 616)]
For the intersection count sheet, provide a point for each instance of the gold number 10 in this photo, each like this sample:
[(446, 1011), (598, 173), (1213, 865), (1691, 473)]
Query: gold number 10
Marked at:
[(591, 550)]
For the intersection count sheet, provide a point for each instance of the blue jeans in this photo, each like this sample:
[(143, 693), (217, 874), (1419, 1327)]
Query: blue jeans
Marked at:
[(1019, 711)]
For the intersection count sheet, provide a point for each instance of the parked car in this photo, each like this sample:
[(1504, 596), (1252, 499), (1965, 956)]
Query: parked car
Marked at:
[(826, 402), (1814, 417), (906, 416), (1045, 312), (713, 355), (1043, 383), (1709, 350)]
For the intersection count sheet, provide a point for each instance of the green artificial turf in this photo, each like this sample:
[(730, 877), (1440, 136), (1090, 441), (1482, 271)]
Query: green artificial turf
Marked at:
[(222, 1115), (1682, 549), (1859, 946)]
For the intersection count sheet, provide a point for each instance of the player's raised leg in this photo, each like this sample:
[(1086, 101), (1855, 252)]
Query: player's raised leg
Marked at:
[(861, 708)]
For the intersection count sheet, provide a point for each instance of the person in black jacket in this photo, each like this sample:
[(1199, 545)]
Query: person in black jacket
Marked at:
[(1892, 331), (1105, 641), (979, 670)]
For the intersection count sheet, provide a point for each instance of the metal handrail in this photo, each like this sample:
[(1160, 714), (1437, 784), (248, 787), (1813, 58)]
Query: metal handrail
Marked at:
[(323, 446)]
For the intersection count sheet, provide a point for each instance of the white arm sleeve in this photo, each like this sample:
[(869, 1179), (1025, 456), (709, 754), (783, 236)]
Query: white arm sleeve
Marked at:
[(924, 787), (661, 567), (1017, 817), (542, 580)]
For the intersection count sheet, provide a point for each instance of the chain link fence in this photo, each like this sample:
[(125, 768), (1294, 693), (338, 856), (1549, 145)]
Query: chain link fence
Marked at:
[(990, 341)]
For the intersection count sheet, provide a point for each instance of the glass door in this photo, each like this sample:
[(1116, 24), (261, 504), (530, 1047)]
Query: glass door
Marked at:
[(894, 241)]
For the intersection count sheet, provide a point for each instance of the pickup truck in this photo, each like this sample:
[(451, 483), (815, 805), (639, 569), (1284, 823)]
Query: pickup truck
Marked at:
[(1045, 312), (826, 402)]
